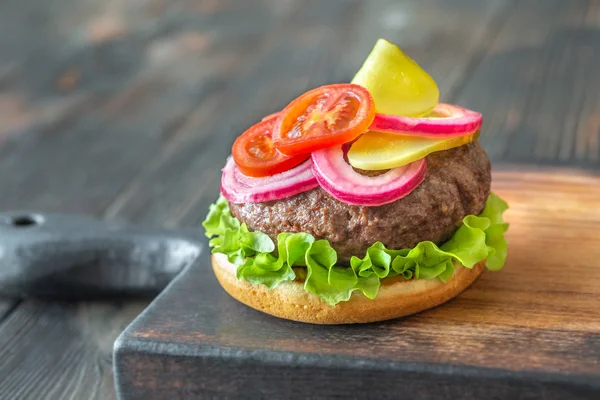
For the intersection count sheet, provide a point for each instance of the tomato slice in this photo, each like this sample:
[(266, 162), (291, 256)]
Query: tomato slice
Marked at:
[(324, 117), (273, 115), (255, 154)]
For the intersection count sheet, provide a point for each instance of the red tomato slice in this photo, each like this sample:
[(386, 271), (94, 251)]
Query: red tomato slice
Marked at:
[(255, 154), (273, 115), (324, 117)]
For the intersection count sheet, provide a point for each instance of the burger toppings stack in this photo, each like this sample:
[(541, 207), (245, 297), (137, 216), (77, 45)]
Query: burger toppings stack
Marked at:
[(366, 144)]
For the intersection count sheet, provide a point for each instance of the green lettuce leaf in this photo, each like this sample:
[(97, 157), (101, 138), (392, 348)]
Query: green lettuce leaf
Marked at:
[(479, 237)]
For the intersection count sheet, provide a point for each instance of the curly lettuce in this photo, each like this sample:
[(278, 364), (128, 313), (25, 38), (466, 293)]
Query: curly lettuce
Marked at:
[(480, 237)]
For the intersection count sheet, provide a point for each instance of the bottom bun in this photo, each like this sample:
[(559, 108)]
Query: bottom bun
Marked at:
[(397, 297)]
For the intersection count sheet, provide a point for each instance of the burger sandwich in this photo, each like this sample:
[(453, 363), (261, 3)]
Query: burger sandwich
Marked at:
[(358, 202)]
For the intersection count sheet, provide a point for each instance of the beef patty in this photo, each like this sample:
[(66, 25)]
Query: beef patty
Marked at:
[(457, 184)]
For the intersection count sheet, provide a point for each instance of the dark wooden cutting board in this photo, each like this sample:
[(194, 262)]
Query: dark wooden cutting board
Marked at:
[(531, 330)]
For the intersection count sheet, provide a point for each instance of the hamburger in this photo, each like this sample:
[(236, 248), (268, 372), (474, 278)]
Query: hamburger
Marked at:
[(358, 202)]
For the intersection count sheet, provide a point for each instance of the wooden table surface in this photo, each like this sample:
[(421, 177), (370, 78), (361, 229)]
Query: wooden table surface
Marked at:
[(126, 110)]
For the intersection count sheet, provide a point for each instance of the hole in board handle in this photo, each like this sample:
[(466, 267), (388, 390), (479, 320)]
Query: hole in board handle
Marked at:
[(25, 221)]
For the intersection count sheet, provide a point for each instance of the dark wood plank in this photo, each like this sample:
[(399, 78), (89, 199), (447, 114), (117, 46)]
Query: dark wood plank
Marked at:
[(139, 87), (61, 351), (6, 307), (531, 329), (443, 37), (537, 85)]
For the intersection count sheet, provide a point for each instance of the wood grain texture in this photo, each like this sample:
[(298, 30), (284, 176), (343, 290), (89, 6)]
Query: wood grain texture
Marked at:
[(537, 86), (96, 112), (6, 307), (531, 329), (61, 351)]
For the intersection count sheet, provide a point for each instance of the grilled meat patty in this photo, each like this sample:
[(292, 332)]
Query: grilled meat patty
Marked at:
[(457, 184)]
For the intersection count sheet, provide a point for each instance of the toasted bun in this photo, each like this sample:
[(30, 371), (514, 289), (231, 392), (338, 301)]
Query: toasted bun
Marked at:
[(397, 297)]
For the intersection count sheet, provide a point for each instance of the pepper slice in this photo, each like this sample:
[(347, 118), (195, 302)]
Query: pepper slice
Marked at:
[(399, 86), (323, 117), (255, 154), (381, 150)]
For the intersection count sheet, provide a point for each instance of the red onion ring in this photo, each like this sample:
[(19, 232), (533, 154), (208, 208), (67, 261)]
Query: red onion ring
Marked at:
[(239, 188), (456, 121), (339, 179)]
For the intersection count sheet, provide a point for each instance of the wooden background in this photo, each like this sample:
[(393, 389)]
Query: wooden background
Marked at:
[(127, 109)]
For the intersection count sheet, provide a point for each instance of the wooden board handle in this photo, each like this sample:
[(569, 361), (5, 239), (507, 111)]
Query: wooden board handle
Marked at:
[(67, 256)]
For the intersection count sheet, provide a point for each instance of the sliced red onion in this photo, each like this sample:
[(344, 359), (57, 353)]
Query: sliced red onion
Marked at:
[(454, 121), (239, 188), (339, 179)]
